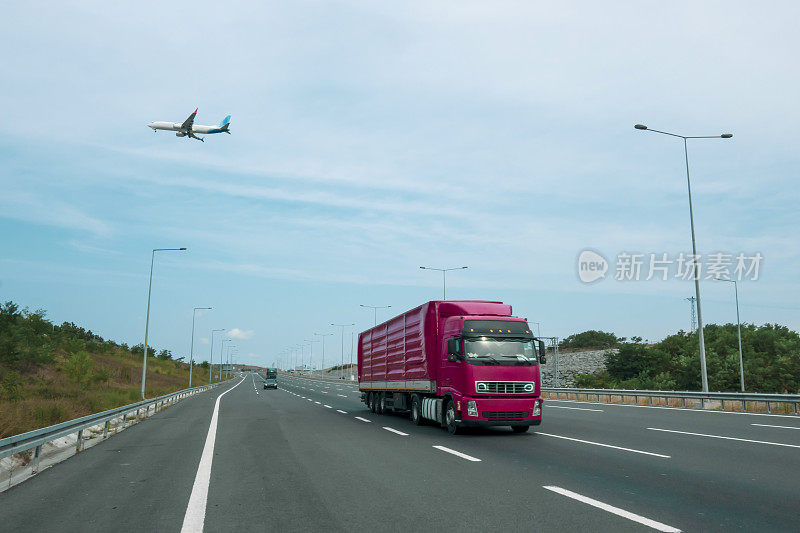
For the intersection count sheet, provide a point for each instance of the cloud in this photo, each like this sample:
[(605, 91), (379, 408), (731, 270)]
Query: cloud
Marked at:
[(240, 334)]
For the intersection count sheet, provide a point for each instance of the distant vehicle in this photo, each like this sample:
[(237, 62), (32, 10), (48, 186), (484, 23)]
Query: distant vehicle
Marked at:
[(188, 128), (271, 381), (456, 363)]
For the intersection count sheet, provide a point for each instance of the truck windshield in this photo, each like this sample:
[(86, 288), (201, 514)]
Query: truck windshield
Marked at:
[(508, 352)]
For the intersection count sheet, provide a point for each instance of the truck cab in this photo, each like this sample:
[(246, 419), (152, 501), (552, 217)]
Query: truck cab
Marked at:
[(271, 379)]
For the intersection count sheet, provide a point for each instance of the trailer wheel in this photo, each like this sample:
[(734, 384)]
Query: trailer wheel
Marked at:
[(520, 429), (380, 403), (371, 402), (450, 418), (416, 411)]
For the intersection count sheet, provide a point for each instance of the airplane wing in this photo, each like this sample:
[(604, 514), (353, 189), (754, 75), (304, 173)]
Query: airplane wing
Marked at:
[(187, 124), (193, 136)]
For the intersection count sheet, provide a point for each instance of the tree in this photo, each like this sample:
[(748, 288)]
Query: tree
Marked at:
[(590, 339)]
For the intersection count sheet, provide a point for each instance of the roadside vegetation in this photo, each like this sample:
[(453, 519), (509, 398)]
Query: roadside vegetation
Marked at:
[(52, 373), (591, 339), (771, 355)]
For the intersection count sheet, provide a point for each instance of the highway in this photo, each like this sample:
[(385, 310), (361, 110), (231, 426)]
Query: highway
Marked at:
[(310, 456)]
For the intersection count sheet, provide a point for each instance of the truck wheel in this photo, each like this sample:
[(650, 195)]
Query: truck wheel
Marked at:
[(416, 411), (450, 418), (520, 429), (371, 402), (380, 403)]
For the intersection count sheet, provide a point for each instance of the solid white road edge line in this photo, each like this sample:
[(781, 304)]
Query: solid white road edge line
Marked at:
[(614, 510), (574, 408), (395, 431), (195, 515), (727, 438), (362, 419), (685, 409), (458, 454), (603, 445), (771, 426)]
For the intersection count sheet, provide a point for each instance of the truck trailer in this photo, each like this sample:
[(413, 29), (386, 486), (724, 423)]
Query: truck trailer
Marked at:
[(455, 363)]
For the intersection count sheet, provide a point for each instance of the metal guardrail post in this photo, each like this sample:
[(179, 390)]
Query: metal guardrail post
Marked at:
[(79, 443), (36, 455), (105, 429)]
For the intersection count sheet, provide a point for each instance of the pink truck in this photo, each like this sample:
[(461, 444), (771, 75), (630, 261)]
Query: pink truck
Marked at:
[(456, 363)]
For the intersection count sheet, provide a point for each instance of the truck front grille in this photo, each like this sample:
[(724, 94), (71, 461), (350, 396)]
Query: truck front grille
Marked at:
[(504, 415), (505, 387)]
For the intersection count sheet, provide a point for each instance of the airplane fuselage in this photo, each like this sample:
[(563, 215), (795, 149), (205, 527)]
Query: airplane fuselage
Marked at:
[(174, 126)]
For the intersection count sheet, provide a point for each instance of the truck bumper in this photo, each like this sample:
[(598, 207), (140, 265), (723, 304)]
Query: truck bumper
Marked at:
[(500, 411), (470, 422)]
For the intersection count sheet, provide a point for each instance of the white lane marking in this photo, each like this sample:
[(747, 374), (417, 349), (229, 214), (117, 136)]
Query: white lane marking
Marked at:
[(362, 419), (726, 438), (318, 403), (342, 395), (195, 515), (309, 399), (395, 431), (603, 445), (328, 406), (771, 426), (614, 510), (458, 454), (323, 392), (575, 408), (340, 411), (684, 409)]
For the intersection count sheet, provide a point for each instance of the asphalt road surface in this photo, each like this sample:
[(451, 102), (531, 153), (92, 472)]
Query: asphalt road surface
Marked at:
[(310, 456)]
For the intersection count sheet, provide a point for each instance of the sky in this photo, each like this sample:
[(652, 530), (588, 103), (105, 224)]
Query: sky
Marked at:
[(372, 138)]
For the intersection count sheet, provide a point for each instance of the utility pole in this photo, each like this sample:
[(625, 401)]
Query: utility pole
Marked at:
[(343, 326), (323, 335)]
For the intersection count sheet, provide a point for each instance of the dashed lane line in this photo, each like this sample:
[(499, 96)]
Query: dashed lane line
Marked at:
[(726, 438), (614, 510), (772, 426), (604, 445), (395, 431), (328, 406), (362, 419), (458, 454), (340, 411)]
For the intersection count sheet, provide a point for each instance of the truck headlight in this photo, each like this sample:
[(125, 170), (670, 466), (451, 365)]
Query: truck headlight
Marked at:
[(537, 408), (472, 408), (481, 387), (528, 387)]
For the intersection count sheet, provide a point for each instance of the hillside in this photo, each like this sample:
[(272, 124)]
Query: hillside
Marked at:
[(51, 373)]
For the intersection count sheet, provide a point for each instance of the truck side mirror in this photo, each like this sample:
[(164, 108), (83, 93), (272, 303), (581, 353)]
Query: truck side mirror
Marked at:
[(453, 349), (542, 352)]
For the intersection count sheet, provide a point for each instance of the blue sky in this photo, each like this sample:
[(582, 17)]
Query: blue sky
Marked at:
[(372, 138)]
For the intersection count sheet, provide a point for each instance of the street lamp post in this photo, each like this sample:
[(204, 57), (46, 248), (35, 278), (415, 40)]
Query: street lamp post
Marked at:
[(310, 351), (211, 363), (191, 350), (343, 326), (323, 335), (375, 309), (538, 329), (701, 338), (147, 320), (222, 356), (444, 272), (738, 330)]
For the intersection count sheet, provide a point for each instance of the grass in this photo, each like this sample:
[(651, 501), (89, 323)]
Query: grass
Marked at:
[(47, 395)]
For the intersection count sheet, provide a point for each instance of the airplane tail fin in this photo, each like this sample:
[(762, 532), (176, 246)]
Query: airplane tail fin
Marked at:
[(226, 122)]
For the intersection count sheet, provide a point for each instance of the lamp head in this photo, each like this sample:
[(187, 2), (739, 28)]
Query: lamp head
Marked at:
[(640, 127), (726, 135)]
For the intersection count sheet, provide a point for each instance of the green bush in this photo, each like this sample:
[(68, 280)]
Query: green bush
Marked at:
[(78, 367), (590, 339)]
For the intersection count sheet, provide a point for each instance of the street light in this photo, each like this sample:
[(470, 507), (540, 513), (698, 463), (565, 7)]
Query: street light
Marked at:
[(538, 329), (222, 356), (701, 338), (343, 326), (211, 363), (738, 329), (323, 335), (147, 320), (311, 351), (375, 308), (444, 272), (191, 350)]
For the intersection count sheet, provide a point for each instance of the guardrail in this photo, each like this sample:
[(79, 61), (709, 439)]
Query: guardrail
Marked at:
[(696, 399), (36, 438)]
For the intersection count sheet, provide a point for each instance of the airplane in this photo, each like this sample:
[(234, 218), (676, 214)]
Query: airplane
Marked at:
[(188, 128)]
